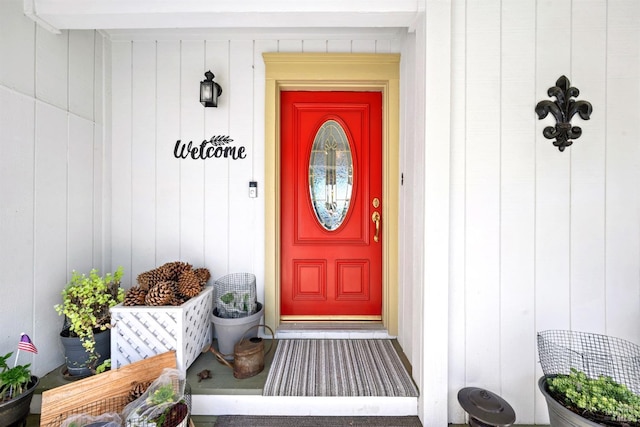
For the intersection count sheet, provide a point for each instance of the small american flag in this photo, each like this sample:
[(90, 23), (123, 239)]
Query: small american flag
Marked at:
[(26, 344)]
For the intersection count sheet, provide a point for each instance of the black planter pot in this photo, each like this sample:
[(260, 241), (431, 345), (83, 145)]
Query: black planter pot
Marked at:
[(15, 411), (77, 359), (559, 416)]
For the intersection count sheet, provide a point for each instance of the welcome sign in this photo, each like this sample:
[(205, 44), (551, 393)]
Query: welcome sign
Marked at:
[(218, 146)]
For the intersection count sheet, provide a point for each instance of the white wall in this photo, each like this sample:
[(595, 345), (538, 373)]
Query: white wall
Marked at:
[(197, 211), (540, 239), (50, 175)]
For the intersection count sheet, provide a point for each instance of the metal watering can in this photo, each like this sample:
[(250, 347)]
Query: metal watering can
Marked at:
[(248, 355)]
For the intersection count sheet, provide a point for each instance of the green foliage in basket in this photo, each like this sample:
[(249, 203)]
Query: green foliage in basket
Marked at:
[(163, 394), (598, 396)]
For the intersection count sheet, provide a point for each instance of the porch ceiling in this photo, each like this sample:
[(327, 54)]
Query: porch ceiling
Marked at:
[(163, 14)]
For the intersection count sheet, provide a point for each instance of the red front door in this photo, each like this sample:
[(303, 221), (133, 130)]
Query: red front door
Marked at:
[(331, 205)]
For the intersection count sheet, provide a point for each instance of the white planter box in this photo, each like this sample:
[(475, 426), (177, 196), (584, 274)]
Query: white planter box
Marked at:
[(142, 331)]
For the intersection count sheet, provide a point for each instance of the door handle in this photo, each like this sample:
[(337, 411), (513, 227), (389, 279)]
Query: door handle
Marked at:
[(375, 217)]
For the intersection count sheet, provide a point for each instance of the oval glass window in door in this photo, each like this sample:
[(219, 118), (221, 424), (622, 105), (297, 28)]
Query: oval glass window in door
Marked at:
[(331, 175)]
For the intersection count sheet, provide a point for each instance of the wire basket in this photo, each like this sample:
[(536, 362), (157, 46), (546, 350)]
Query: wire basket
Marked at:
[(595, 355), (116, 405), (234, 296)]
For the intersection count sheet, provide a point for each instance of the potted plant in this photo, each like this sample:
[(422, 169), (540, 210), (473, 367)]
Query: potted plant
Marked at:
[(16, 386), (86, 301), (589, 379), (163, 404), (577, 400)]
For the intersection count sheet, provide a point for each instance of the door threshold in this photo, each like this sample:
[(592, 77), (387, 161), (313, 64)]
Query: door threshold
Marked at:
[(332, 330)]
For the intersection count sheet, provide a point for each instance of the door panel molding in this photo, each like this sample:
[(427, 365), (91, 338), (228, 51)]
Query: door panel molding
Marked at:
[(320, 71)]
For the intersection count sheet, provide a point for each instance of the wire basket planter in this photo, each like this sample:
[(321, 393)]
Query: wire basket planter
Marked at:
[(115, 405), (594, 354), (234, 296)]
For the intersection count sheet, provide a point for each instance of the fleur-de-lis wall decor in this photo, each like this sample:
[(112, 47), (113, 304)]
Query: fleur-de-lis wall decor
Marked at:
[(563, 109)]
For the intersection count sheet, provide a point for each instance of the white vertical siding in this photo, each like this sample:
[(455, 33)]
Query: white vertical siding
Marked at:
[(17, 47), (242, 238), (167, 183), (121, 198), (17, 118), (540, 239), (143, 155), (457, 272), (191, 171), (194, 210), (52, 58), (50, 171), (622, 195), (482, 194), (517, 206), (216, 188)]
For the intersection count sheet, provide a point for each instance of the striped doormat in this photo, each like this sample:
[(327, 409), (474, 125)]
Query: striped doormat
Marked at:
[(358, 367)]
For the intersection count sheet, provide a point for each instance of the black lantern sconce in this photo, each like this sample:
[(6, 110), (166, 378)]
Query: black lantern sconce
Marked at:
[(563, 109), (209, 91)]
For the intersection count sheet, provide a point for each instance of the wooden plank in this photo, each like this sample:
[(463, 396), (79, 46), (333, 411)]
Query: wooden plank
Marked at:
[(61, 401)]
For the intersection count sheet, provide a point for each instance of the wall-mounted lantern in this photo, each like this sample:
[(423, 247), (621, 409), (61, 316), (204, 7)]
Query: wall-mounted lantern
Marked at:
[(209, 91), (563, 109)]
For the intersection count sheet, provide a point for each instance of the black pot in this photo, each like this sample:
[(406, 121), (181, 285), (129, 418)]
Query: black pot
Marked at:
[(15, 411), (76, 357)]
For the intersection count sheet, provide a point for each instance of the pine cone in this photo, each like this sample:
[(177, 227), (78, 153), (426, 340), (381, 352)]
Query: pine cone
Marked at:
[(161, 294), (178, 300), (203, 275), (135, 296), (173, 270), (149, 279), (137, 389), (189, 284)]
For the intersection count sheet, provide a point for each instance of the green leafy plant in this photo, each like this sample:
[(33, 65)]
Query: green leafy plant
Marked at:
[(163, 394), (13, 381), (163, 407), (601, 397), (86, 301)]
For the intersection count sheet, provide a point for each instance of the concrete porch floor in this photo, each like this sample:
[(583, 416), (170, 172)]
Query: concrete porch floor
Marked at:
[(224, 394)]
